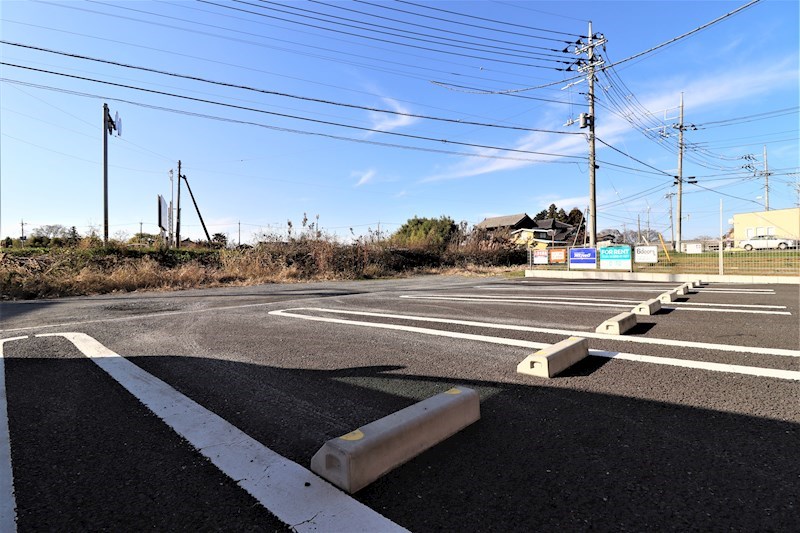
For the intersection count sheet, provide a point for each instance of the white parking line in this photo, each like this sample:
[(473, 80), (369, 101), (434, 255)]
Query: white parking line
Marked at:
[(295, 495), (533, 329), (669, 361), (578, 302), (612, 300), (766, 292), (8, 511)]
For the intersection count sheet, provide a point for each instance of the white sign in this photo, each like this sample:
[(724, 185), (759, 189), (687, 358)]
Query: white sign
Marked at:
[(163, 214), (540, 257), (694, 248), (646, 254)]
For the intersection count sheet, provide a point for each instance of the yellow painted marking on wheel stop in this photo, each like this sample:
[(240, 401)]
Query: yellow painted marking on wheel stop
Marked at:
[(453, 391), (353, 435)]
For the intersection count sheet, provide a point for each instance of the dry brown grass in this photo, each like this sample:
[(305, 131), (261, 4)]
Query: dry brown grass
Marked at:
[(88, 271)]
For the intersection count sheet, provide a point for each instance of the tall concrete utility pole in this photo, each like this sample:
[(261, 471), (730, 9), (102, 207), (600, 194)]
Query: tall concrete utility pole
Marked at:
[(592, 165), (766, 181), (680, 178)]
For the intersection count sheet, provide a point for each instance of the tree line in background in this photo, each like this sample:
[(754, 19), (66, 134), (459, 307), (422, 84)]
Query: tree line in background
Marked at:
[(418, 232)]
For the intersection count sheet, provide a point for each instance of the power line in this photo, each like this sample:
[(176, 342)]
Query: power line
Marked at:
[(277, 93), (424, 26), (371, 27), (251, 69), (263, 45), (288, 130), (295, 117), (388, 41), (504, 23), (604, 67)]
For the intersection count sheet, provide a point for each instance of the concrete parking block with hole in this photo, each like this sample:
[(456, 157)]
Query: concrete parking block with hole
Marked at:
[(649, 307), (667, 297), (353, 461), (553, 360), (618, 324)]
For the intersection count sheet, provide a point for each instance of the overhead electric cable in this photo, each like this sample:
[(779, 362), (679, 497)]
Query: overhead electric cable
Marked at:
[(283, 115), (427, 48), (503, 22), (338, 6), (371, 27), (278, 93), (278, 128)]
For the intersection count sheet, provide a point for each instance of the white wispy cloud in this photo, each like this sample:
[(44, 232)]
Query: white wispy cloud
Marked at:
[(388, 121), (364, 176), (714, 90)]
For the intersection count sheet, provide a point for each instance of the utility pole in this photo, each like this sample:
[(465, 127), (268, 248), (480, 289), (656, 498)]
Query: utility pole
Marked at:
[(171, 207), (178, 224), (240, 233), (680, 176), (22, 236), (669, 196), (141, 237), (766, 181), (639, 228), (109, 125), (592, 165), (587, 120)]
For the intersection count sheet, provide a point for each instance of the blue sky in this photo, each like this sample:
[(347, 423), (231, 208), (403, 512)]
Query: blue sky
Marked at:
[(284, 156)]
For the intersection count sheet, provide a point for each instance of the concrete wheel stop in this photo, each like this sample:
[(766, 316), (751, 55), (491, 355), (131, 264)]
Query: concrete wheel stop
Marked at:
[(353, 461), (617, 325), (649, 307), (554, 359)]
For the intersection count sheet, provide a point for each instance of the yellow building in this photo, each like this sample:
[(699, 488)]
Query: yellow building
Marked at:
[(778, 222)]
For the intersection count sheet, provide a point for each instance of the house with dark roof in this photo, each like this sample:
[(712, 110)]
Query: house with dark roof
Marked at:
[(524, 230), (508, 222)]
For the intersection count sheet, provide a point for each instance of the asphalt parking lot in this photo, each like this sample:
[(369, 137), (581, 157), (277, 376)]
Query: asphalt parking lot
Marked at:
[(689, 421)]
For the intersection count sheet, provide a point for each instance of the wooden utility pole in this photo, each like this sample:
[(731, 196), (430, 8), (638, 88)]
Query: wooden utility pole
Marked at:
[(178, 224)]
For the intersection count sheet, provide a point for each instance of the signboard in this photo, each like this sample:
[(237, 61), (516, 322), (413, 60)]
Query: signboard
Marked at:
[(558, 255), (163, 214), (582, 259), (645, 254), (694, 248), (540, 257), (615, 258)]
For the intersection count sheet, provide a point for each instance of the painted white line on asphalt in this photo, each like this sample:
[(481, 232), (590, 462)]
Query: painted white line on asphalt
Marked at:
[(669, 361), (750, 311), (579, 302), (516, 301), (139, 317), (8, 505), (612, 300), (703, 365), (766, 292), (533, 329), (292, 493), (413, 329)]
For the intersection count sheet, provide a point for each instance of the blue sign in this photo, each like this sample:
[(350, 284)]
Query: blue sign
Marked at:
[(582, 258)]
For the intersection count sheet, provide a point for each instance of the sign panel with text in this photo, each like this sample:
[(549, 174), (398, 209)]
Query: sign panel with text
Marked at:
[(615, 258), (645, 254), (558, 255), (582, 259), (540, 257)]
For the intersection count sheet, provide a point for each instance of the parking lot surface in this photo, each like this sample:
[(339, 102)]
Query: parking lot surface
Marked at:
[(202, 409)]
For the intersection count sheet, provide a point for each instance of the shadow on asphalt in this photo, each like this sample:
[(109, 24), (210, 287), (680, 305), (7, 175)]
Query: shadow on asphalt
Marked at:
[(541, 457)]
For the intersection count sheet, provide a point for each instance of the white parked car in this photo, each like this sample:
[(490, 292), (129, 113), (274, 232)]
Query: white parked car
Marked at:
[(764, 242)]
